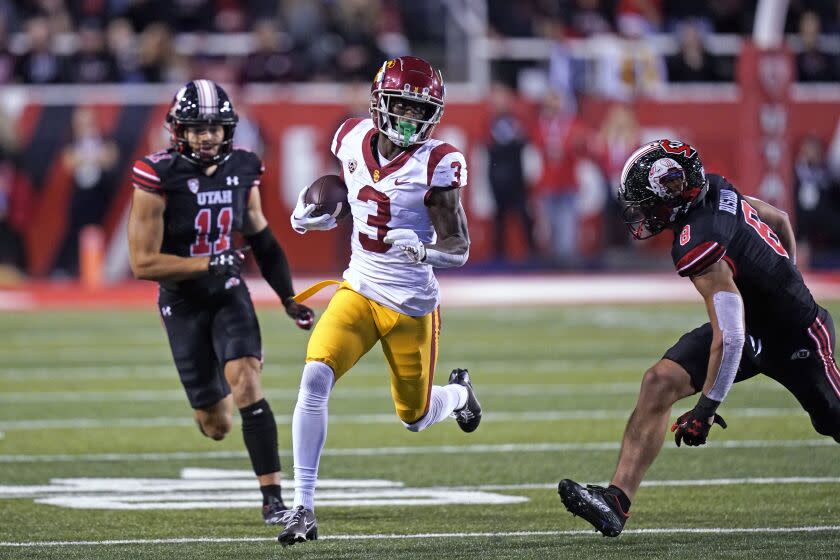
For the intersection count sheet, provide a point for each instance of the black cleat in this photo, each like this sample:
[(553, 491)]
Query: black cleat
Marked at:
[(301, 526), (468, 416), (275, 513), (595, 504)]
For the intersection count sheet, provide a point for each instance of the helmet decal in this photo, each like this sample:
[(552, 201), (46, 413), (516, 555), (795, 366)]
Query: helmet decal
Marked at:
[(661, 171)]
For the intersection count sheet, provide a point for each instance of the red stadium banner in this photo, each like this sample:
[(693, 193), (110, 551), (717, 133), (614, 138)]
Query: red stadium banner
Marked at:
[(737, 134)]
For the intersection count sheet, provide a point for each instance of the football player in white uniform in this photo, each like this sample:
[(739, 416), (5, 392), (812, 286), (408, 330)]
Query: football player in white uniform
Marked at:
[(404, 194)]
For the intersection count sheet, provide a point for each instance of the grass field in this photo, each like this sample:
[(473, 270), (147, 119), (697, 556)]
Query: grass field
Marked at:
[(99, 457)]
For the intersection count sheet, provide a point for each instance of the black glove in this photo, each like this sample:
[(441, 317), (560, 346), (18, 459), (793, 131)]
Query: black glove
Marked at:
[(693, 426), (304, 317), (226, 263)]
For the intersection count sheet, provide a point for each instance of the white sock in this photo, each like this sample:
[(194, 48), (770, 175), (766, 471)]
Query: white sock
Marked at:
[(309, 429), (444, 400)]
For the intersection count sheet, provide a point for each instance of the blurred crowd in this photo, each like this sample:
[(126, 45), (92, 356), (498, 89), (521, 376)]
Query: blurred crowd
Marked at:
[(130, 41), (553, 178), (99, 41)]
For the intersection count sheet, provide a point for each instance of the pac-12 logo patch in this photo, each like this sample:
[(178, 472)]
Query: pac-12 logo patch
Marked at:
[(685, 235), (351, 165), (192, 184)]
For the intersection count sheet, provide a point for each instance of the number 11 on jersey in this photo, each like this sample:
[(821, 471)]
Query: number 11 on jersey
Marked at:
[(224, 221)]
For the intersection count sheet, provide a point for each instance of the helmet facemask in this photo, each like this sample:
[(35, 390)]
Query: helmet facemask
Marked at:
[(401, 129), (201, 103), (178, 134)]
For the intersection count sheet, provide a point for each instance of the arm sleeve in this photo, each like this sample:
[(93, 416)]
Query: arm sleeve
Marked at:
[(729, 309), (272, 262), (439, 259)]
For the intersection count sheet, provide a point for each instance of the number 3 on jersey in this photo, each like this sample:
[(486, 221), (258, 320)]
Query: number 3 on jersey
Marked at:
[(379, 220), (202, 246), (751, 217)]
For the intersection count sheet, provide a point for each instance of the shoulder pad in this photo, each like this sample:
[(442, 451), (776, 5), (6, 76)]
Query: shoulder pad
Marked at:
[(447, 167), (251, 160), (699, 257), (146, 173), (342, 132)]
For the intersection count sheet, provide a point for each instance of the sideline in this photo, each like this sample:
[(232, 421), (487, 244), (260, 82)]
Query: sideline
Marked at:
[(457, 291)]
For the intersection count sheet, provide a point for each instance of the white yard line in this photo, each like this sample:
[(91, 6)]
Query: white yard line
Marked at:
[(522, 390), (162, 369), (667, 483), (385, 537), (413, 450), (364, 419)]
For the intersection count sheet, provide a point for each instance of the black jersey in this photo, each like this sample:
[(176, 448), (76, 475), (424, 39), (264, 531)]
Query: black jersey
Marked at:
[(726, 226), (201, 211)]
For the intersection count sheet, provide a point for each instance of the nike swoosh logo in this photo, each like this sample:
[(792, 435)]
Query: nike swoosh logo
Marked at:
[(398, 182)]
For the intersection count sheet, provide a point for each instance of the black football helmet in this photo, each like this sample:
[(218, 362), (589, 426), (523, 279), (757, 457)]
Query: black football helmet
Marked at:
[(201, 102), (660, 183)]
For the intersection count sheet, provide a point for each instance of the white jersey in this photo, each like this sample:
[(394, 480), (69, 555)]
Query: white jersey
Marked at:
[(388, 197)]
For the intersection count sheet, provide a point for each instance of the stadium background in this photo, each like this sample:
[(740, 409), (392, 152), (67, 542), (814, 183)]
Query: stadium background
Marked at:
[(87, 84)]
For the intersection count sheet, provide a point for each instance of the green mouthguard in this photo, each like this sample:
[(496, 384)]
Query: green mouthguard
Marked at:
[(406, 130)]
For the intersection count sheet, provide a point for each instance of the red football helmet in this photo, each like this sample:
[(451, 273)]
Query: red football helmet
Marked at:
[(412, 79)]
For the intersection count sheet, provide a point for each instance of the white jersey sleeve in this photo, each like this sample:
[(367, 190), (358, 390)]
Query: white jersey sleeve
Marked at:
[(450, 167)]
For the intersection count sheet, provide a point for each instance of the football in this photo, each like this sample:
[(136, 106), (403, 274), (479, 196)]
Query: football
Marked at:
[(329, 195)]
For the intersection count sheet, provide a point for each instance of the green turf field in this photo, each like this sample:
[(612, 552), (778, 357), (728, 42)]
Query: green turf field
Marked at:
[(99, 457)]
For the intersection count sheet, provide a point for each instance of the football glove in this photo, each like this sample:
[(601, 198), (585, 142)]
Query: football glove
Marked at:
[(226, 263), (303, 221), (304, 317), (407, 240), (693, 426)]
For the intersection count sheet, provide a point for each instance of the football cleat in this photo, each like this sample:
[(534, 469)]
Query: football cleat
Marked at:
[(301, 526), (595, 504), (275, 513), (469, 415)]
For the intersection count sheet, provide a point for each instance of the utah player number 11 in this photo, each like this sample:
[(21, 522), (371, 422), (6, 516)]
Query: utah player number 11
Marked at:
[(187, 202)]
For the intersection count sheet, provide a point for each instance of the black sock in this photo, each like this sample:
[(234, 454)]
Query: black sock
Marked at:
[(260, 434), (271, 494), (623, 500)]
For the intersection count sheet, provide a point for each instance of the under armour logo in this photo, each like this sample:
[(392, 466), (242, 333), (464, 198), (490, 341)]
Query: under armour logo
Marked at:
[(166, 311), (232, 180), (802, 354), (225, 259), (756, 345)]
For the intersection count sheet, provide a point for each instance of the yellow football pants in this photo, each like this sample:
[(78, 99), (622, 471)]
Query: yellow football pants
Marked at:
[(352, 324)]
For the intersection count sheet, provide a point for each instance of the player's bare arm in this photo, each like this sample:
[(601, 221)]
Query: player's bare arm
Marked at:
[(450, 222), (779, 222), (272, 260), (145, 235)]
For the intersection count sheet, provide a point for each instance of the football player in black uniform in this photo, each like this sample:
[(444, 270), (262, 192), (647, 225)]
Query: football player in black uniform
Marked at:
[(740, 254), (187, 202)]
